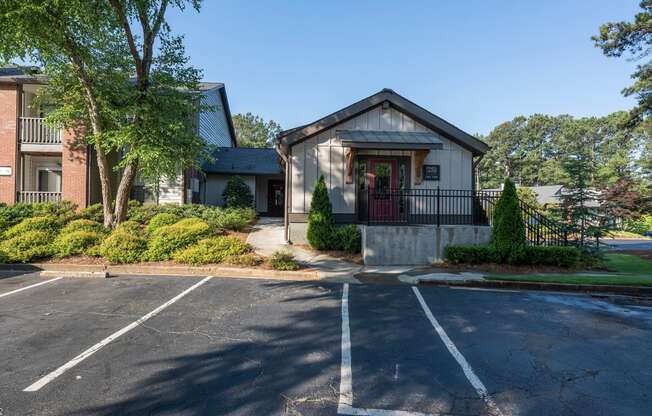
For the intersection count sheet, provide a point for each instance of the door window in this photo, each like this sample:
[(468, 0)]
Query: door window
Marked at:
[(49, 180)]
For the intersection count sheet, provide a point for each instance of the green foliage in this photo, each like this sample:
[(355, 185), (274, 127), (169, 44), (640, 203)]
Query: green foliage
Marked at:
[(3, 257), (27, 246), (13, 214), (237, 194), (283, 260), (235, 219), (567, 257), (49, 225), (168, 239), (93, 212), (123, 247), (75, 242), (247, 259), (508, 232), (212, 250), (349, 238), (161, 220), (131, 227), (321, 227), (253, 131), (640, 225), (63, 211), (468, 254), (83, 224)]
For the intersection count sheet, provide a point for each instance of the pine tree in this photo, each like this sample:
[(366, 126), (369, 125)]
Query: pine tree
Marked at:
[(508, 233), (321, 227)]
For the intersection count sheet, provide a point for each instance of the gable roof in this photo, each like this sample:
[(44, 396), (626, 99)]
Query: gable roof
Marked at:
[(244, 161), (289, 138)]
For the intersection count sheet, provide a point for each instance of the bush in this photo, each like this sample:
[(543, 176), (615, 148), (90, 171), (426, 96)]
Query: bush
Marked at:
[(46, 224), (62, 211), (93, 212), (468, 254), (27, 246), (349, 238), (211, 250), (168, 239), (248, 259), (237, 194), (554, 256), (3, 257), (640, 225), (131, 227), (321, 228), (123, 247), (235, 219), (161, 220), (144, 213), (12, 215), (83, 225), (508, 233), (75, 242), (283, 260)]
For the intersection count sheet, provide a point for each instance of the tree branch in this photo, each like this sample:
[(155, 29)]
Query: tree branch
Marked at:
[(124, 22)]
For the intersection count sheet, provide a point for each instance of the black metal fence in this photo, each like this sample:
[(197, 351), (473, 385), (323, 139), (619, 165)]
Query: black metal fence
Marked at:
[(455, 207)]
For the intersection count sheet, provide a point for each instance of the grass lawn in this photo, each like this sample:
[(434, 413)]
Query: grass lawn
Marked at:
[(634, 270)]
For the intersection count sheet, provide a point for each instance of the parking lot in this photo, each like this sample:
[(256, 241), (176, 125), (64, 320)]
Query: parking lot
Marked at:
[(212, 346)]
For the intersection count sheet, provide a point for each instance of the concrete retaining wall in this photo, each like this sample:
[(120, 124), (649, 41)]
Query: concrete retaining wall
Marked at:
[(416, 244)]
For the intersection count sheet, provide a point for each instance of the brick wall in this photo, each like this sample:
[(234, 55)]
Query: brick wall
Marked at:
[(8, 145), (74, 181)]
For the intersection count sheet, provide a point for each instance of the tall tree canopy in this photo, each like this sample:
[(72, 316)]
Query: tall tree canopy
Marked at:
[(118, 77), (531, 150), (254, 131), (634, 39)]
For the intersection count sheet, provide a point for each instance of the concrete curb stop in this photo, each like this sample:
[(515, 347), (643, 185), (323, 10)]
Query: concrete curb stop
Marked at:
[(82, 274)]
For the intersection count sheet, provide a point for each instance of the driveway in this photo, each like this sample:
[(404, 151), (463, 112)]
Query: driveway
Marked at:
[(642, 245), (215, 346)]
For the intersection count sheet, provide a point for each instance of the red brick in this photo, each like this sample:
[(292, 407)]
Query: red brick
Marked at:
[(8, 142), (74, 170)]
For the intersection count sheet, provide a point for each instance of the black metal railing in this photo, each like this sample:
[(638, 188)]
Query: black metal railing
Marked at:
[(454, 207)]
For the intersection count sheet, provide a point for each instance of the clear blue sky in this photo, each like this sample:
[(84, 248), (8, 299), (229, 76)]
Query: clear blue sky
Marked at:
[(475, 63)]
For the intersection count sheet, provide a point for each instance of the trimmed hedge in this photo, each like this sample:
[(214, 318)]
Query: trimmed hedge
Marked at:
[(123, 247), (83, 225), (75, 242), (161, 220), (567, 257), (168, 239), (211, 250), (49, 225), (508, 232), (349, 238)]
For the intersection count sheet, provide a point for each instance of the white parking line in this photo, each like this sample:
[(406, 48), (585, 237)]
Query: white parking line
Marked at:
[(29, 287), (345, 406), (468, 371), (95, 348)]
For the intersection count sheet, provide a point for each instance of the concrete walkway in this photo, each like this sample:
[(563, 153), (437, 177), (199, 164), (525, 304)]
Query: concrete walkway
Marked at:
[(266, 237)]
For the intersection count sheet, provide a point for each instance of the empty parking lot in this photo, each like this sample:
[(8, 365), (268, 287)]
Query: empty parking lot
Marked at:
[(194, 346)]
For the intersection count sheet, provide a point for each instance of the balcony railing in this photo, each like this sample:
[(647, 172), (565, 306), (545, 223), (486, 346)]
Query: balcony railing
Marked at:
[(33, 130), (33, 197)]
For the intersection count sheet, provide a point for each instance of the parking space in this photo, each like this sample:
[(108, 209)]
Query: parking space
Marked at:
[(242, 347)]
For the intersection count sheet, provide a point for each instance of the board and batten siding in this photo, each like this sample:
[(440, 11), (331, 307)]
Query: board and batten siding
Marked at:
[(323, 154)]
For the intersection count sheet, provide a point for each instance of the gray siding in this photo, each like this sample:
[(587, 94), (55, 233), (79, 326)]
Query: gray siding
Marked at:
[(324, 155), (213, 125)]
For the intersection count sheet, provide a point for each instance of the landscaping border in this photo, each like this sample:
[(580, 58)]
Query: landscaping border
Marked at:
[(555, 287), (126, 269)]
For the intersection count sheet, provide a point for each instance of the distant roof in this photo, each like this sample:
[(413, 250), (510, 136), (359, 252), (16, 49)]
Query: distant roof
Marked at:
[(244, 161), (290, 137), (389, 139)]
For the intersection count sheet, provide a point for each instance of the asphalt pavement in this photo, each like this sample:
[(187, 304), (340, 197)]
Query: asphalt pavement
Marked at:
[(220, 346)]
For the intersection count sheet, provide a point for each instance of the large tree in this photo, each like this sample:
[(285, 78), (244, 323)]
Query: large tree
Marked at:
[(254, 131), (634, 39), (118, 77)]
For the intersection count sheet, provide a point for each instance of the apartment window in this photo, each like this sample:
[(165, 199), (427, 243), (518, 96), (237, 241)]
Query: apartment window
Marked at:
[(49, 180)]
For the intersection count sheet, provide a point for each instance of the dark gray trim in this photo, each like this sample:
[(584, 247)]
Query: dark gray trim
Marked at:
[(227, 112), (392, 146), (293, 136)]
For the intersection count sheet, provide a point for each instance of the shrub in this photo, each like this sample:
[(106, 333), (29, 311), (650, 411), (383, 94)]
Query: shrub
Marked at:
[(235, 219), (12, 215), (168, 239), (553, 256), (3, 257), (469, 254), (161, 220), (211, 250), (349, 238), (93, 212), (46, 224), (321, 228), (27, 246), (508, 233), (283, 260), (75, 242), (640, 225), (248, 259), (131, 227), (237, 194), (144, 213), (123, 247), (83, 225), (63, 211)]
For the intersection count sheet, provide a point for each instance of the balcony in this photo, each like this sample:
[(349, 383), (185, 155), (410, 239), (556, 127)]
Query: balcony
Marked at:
[(33, 197), (33, 130)]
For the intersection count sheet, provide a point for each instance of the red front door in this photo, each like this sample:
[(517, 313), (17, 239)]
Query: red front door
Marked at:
[(383, 182)]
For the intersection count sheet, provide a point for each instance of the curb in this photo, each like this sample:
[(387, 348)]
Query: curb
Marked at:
[(96, 270), (555, 287)]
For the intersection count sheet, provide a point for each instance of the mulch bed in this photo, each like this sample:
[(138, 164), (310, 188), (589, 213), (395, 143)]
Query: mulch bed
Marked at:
[(343, 255)]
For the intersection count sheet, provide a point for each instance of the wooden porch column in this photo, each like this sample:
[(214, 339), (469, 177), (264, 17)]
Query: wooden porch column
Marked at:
[(350, 157), (419, 158)]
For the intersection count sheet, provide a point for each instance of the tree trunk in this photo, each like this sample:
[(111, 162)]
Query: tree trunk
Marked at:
[(124, 189)]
